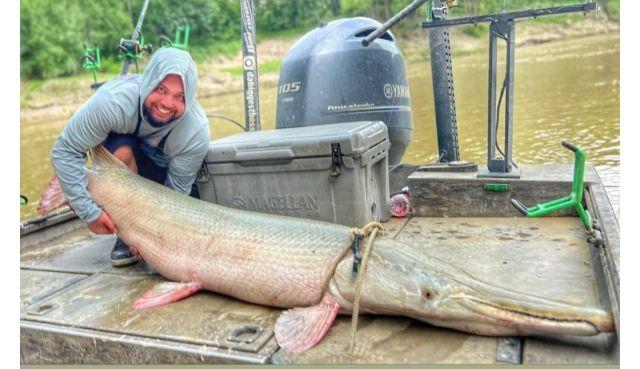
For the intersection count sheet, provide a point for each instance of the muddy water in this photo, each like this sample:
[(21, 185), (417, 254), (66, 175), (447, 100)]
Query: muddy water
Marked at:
[(565, 90)]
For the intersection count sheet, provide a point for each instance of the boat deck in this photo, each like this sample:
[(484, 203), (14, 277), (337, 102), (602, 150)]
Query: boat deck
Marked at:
[(76, 308)]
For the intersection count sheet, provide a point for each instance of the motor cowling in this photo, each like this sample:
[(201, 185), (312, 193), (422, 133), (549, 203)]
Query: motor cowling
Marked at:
[(328, 76)]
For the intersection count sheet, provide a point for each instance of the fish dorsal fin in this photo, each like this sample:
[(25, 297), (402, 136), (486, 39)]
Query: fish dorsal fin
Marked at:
[(104, 159), (299, 329)]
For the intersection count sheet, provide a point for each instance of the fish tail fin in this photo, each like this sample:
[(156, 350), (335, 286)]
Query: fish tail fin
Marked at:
[(52, 198), (102, 158), (299, 329)]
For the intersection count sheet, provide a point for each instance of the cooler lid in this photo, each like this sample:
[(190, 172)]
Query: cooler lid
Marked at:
[(355, 138)]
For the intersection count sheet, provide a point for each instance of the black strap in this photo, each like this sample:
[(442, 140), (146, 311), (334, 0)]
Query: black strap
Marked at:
[(135, 133), (357, 255), (164, 139)]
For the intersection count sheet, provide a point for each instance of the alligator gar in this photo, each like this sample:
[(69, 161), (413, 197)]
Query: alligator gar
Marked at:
[(306, 265)]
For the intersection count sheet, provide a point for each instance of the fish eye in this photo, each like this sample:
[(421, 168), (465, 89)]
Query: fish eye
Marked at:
[(426, 294)]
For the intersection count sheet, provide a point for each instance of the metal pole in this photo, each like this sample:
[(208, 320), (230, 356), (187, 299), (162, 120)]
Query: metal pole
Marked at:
[(392, 21), (136, 36), (503, 27), (443, 89), (532, 13), (250, 66), (501, 167), (493, 67), (511, 66)]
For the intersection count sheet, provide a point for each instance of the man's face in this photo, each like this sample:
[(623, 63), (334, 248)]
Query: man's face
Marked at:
[(166, 102)]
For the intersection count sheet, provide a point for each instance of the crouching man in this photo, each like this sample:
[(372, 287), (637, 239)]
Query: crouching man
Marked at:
[(151, 122)]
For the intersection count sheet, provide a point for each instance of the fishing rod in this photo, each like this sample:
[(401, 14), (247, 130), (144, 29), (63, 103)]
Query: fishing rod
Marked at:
[(224, 117), (250, 66), (392, 21), (131, 49)]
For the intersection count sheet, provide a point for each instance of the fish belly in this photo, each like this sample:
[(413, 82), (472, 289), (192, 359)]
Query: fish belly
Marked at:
[(260, 258)]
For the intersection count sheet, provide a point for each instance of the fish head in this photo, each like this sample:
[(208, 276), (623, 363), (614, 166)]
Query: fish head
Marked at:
[(456, 300), (402, 280)]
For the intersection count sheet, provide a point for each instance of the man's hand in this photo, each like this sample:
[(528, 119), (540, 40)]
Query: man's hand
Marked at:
[(103, 225)]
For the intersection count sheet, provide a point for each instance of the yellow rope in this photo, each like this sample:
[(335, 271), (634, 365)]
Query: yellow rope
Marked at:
[(370, 229)]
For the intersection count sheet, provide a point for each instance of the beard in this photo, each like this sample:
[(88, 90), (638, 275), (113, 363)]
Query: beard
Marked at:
[(152, 120)]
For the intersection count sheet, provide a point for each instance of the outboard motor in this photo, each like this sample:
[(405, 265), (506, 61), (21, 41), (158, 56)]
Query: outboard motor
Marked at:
[(329, 77)]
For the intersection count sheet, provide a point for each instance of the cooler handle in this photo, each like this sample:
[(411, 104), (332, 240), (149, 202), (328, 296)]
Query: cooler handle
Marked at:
[(259, 155)]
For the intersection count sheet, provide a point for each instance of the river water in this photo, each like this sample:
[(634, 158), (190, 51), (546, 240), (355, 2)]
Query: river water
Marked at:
[(565, 90)]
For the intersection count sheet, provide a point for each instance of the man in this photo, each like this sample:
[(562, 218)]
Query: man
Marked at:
[(151, 122)]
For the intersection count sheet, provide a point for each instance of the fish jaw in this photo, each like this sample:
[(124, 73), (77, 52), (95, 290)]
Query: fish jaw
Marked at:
[(493, 311), (403, 280)]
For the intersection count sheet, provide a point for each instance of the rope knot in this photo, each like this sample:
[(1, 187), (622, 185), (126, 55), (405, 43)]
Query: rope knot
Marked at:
[(358, 234), (366, 230)]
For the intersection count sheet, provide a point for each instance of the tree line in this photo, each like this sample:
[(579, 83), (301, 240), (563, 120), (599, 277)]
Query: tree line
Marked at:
[(52, 33)]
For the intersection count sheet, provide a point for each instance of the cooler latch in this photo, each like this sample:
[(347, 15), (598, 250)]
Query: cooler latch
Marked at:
[(336, 160), (203, 174)]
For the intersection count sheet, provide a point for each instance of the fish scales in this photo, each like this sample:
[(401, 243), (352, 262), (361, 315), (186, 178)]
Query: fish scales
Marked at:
[(186, 239)]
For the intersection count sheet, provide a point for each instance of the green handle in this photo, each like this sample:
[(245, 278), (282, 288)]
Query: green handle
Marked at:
[(573, 200)]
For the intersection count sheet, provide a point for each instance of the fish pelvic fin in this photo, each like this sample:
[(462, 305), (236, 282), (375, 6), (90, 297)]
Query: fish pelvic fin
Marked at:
[(102, 158), (299, 329), (52, 198), (166, 293)]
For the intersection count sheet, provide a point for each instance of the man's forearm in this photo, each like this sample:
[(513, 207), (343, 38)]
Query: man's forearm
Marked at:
[(68, 165)]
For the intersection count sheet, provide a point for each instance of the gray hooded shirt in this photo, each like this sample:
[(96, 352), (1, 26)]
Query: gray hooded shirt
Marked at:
[(115, 107)]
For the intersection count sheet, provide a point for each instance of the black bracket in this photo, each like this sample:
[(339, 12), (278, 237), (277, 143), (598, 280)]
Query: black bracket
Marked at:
[(336, 160), (357, 255)]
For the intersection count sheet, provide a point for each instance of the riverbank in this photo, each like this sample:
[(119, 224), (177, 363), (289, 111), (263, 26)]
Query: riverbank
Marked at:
[(58, 98)]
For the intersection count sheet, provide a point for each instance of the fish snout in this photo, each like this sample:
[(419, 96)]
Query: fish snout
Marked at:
[(521, 314)]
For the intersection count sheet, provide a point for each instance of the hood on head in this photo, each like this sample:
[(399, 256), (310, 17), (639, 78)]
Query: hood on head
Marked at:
[(165, 61)]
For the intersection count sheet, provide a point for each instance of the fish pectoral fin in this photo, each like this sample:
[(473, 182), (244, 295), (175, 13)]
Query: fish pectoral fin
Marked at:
[(166, 293), (299, 329)]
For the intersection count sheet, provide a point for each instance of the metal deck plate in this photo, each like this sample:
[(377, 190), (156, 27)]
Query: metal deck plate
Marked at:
[(395, 340), (77, 308), (548, 257), (394, 226), (37, 285), (90, 319), (102, 304), (79, 251)]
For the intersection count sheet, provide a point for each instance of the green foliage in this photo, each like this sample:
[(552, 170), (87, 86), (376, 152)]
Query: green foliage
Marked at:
[(45, 46), (612, 8), (276, 15), (200, 52), (475, 30), (52, 33), (475, 7), (208, 20)]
